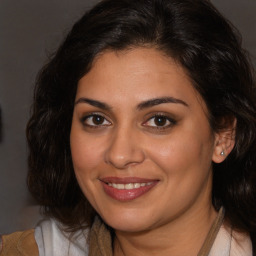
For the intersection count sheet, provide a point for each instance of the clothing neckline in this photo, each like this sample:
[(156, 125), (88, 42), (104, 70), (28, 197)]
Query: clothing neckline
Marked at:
[(210, 238), (100, 242)]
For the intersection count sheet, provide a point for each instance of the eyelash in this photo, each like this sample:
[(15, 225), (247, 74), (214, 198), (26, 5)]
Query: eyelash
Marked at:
[(91, 116), (165, 118)]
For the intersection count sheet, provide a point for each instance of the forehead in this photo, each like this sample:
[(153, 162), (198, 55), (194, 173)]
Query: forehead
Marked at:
[(136, 75)]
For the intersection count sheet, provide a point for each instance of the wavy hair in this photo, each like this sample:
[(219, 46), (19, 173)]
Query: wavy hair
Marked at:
[(203, 42)]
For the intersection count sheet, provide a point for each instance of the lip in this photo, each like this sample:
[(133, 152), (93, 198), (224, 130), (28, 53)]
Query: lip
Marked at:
[(126, 194)]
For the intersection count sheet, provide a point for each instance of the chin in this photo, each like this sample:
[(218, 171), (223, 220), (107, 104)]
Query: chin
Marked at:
[(131, 227), (129, 222)]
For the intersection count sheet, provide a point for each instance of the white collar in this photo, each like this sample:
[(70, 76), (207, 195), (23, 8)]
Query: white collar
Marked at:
[(231, 243), (53, 241)]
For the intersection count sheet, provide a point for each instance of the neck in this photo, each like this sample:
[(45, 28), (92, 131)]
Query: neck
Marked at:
[(181, 237)]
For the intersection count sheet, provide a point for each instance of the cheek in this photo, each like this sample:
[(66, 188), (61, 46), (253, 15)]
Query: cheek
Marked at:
[(183, 151), (86, 154), (85, 157)]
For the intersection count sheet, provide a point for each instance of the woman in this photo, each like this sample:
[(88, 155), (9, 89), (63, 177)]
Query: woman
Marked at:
[(143, 135)]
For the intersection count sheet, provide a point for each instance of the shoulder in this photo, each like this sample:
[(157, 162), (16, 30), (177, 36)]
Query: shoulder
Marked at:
[(53, 240), (48, 238), (19, 243), (241, 244), (232, 243)]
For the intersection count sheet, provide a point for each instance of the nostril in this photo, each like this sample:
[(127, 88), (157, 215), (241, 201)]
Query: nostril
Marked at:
[(123, 149)]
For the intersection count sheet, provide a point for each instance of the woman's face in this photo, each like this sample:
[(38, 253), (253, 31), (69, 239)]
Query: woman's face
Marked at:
[(141, 142)]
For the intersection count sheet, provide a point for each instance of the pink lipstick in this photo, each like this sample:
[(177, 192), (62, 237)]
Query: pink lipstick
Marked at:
[(125, 189)]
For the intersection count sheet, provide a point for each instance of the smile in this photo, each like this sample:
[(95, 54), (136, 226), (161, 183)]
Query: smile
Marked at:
[(129, 185), (127, 189)]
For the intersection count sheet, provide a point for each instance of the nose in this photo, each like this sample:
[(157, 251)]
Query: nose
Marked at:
[(124, 149)]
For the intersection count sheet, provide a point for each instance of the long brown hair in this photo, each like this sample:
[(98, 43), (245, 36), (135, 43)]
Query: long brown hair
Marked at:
[(204, 43)]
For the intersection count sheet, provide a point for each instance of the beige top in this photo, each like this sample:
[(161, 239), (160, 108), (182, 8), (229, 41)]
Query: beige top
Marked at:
[(19, 244)]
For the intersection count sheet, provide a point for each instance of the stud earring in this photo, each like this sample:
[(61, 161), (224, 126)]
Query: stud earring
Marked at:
[(222, 153)]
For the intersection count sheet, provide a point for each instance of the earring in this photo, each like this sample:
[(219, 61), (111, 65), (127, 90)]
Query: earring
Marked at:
[(222, 153)]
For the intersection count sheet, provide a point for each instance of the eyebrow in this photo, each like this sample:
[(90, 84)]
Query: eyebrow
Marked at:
[(158, 101), (94, 103), (141, 106)]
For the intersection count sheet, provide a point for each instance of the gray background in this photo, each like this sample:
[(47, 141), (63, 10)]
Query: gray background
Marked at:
[(29, 31)]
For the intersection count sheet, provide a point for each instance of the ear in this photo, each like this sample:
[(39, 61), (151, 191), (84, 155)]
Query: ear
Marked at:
[(224, 141)]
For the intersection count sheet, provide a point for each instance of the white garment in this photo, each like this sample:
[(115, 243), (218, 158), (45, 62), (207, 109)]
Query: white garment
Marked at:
[(230, 243), (52, 241)]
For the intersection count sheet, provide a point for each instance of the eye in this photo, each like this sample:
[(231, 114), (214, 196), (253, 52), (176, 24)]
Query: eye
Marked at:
[(95, 120), (160, 122)]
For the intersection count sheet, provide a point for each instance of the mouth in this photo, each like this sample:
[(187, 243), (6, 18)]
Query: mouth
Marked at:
[(129, 185), (127, 189)]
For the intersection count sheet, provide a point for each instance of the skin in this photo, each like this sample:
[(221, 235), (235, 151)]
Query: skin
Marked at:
[(125, 140)]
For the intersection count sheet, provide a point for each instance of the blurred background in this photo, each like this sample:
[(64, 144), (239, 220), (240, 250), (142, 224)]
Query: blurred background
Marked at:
[(29, 32)]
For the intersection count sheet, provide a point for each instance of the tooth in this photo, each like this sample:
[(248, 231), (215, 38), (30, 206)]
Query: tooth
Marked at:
[(129, 186), (136, 185), (120, 186)]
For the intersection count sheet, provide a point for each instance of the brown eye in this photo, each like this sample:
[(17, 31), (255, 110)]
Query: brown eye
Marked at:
[(159, 122), (95, 120), (98, 120)]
